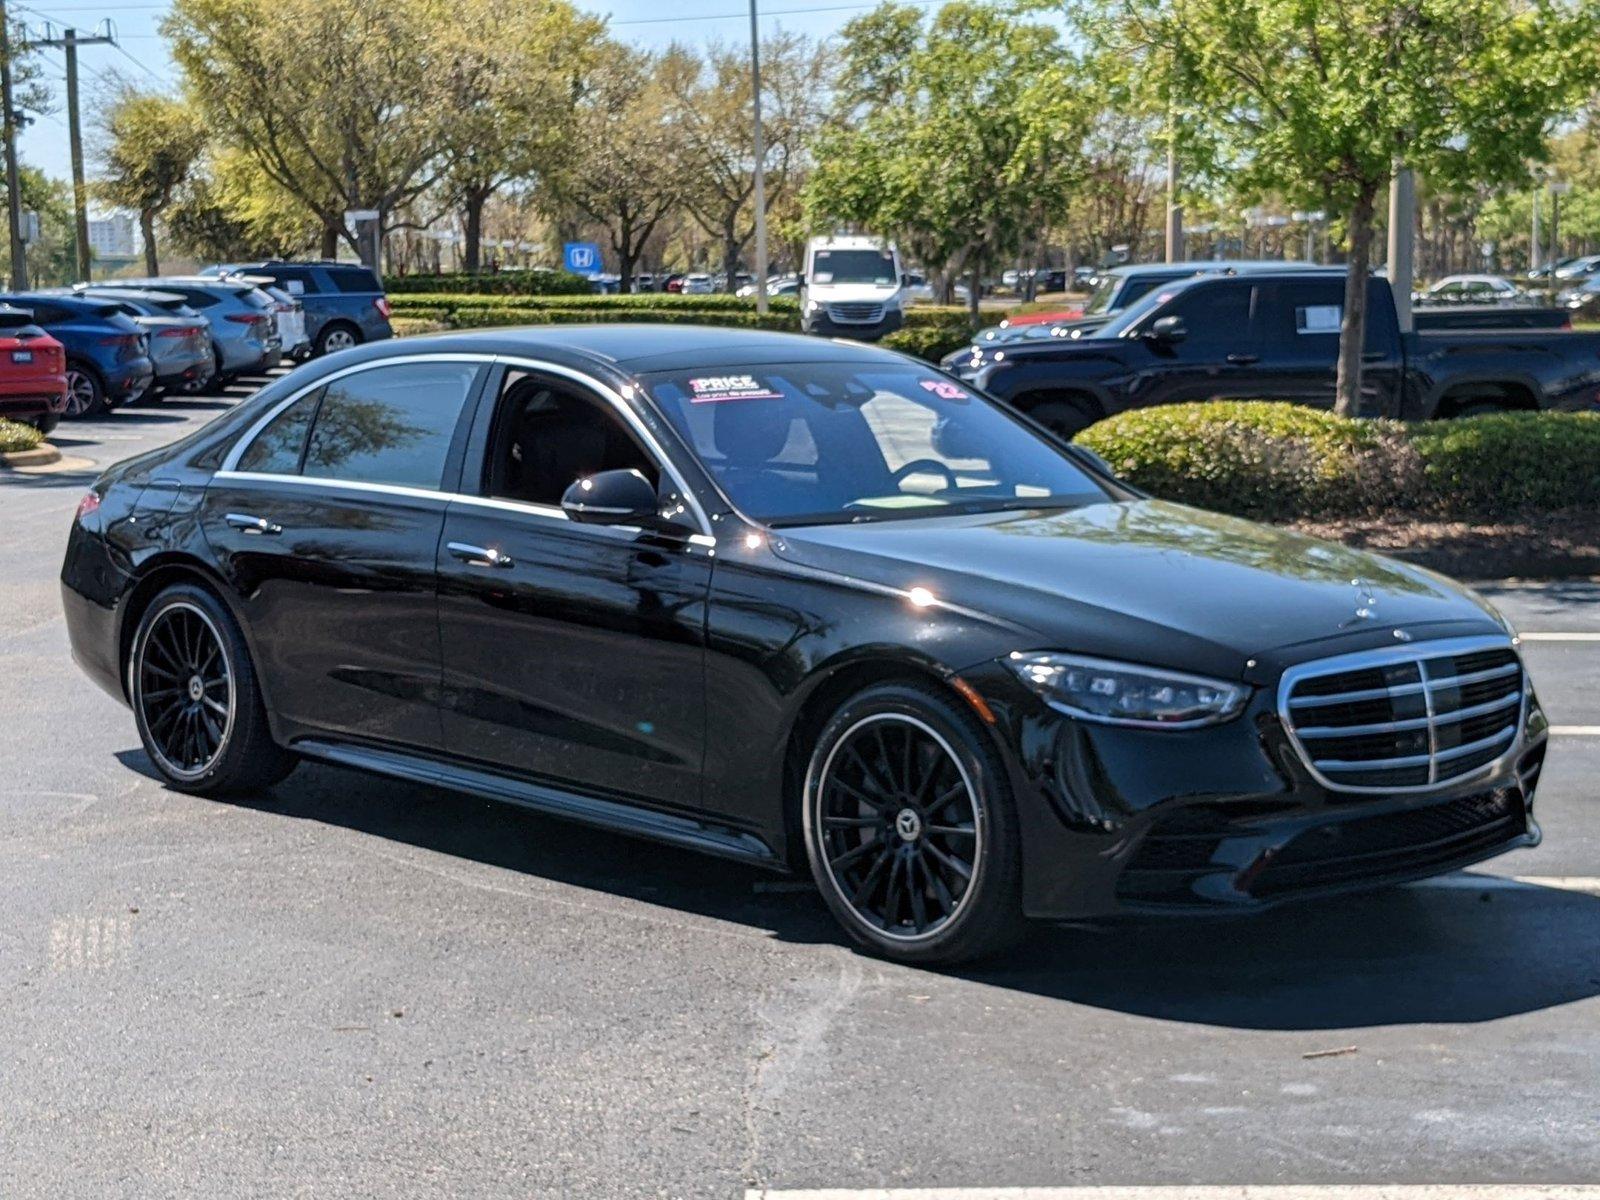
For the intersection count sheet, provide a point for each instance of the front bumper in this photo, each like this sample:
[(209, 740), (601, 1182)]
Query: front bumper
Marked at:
[(823, 325), (1229, 819)]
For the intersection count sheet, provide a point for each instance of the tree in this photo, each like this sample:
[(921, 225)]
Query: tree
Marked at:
[(519, 70), (959, 135), (712, 107), (151, 144), (230, 210), (341, 103), (1321, 99), (624, 175)]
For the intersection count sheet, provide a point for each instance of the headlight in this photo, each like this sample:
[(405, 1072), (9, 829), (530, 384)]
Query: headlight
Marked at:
[(813, 306), (1115, 693)]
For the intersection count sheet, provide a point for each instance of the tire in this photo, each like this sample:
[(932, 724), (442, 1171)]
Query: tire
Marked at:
[(1066, 417), (195, 698), (903, 789), (86, 392), (1477, 408), (46, 423), (336, 336)]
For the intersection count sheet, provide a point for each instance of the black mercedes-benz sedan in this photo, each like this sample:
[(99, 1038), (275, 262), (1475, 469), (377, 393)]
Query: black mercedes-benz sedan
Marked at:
[(804, 604)]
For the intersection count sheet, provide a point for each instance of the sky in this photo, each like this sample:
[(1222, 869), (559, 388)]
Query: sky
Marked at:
[(141, 56)]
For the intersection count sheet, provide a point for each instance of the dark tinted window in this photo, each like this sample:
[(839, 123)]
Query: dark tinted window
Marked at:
[(390, 424), (547, 438), (1213, 313), (354, 279), (45, 313), (297, 281), (1302, 312), (199, 298), (277, 448)]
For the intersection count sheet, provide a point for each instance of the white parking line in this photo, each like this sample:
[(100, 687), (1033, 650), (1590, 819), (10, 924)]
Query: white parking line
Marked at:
[(1575, 730), (1559, 637), (1587, 884), (1341, 1191)]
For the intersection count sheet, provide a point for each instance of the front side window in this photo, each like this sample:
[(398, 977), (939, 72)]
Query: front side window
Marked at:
[(390, 424), (811, 443)]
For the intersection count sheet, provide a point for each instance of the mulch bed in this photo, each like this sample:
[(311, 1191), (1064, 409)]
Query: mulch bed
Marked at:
[(1557, 545)]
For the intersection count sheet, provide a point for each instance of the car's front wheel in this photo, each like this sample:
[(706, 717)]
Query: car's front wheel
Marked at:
[(195, 698), (910, 827)]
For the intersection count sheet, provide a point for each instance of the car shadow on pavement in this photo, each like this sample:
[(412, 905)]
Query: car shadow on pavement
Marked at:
[(1414, 955)]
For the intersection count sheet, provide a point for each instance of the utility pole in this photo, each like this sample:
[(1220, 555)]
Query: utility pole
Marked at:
[(1533, 240), (69, 41), (8, 121), (1175, 247), (760, 165), (1402, 235)]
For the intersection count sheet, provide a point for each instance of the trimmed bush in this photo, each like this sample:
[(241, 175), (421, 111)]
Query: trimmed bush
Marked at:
[(1278, 461), (509, 283), (930, 340), (16, 436)]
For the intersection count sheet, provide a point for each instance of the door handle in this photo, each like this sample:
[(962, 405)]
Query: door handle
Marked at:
[(249, 524), (1374, 356), (480, 556), (1243, 360)]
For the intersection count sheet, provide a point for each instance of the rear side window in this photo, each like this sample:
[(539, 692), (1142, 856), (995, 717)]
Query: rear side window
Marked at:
[(390, 425), (277, 448), (201, 299), (297, 281), (1296, 312), (354, 279)]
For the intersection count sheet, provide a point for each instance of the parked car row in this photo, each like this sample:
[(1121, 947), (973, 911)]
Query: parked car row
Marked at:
[(124, 340)]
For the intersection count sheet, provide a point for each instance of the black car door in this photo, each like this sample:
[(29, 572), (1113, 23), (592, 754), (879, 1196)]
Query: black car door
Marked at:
[(573, 653), (1300, 321), (1216, 357), (326, 519)]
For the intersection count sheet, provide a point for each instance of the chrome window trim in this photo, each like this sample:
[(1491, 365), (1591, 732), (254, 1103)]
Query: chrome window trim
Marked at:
[(1387, 656), (607, 395)]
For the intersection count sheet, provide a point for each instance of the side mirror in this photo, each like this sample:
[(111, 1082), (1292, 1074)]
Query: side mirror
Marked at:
[(1168, 330), (905, 279), (800, 279), (612, 498)]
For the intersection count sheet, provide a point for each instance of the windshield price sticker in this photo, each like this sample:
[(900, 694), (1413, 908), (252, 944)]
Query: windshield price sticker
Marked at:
[(710, 389), (944, 389)]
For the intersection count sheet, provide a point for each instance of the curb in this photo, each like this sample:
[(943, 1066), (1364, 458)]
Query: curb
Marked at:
[(40, 456)]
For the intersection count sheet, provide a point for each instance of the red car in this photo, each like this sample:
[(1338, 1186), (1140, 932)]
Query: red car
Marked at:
[(33, 371), (1044, 318)]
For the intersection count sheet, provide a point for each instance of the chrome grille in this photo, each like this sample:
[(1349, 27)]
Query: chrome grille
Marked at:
[(1405, 719), (858, 313)]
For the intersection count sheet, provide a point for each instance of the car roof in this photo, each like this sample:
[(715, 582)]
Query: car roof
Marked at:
[(1213, 266), (150, 295), (202, 281), (640, 348)]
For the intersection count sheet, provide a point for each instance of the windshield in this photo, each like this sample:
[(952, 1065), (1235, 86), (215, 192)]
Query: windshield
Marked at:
[(1100, 298), (1125, 320), (813, 443), (853, 266)]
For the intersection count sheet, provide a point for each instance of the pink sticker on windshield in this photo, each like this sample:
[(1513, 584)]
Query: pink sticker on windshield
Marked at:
[(945, 390), (710, 389)]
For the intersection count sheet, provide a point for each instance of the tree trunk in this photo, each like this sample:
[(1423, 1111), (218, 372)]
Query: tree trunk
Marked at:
[(730, 259), (1353, 328), (147, 230), (472, 211), (975, 288), (330, 238)]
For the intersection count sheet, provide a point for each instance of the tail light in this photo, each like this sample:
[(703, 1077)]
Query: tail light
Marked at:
[(121, 339), (249, 318), (86, 506), (382, 305), (187, 331)]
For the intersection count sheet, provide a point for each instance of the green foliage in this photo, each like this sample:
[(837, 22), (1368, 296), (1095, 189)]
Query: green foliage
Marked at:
[(480, 312), (933, 339), (151, 144), (1277, 461), (505, 283), (16, 436), (412, 304), (957, 134)]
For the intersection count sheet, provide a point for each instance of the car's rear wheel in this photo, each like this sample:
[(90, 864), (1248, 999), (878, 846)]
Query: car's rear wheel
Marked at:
[(199, 710), (46, 423), (336, 337), (910, 827), (86, 394), (1066, 416)]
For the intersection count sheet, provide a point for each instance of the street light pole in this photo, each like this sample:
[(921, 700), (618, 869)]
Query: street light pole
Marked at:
[(761, 164)]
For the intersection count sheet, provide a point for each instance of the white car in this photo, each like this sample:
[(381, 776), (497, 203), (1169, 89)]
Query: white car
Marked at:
[(697, 285), (778, 285), (1474, 289)]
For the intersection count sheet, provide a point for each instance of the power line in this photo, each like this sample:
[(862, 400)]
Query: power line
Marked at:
[(771, 12)]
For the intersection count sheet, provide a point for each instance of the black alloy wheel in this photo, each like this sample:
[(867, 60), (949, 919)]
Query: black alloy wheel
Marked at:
[(910, 835), (200, 712), (185, 691)]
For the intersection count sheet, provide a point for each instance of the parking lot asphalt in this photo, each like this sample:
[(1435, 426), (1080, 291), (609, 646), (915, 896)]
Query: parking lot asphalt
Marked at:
[(351, 987)]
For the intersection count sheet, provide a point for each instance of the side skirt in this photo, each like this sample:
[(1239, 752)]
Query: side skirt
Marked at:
[(613, 815)]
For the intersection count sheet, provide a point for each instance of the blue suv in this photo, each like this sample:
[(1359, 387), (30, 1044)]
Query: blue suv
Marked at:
[(108, 355), (344, 302)]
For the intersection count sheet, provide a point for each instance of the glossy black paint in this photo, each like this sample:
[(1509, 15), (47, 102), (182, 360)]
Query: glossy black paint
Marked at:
[(1412, 376), (666, 681)]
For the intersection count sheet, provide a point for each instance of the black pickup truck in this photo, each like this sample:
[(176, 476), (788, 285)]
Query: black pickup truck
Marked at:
[(1276, 337)]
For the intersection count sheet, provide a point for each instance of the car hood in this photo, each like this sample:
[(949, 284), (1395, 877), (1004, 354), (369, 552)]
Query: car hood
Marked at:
[(1153, 582)]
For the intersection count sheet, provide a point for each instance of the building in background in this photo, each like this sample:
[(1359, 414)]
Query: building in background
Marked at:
[(115, 236)]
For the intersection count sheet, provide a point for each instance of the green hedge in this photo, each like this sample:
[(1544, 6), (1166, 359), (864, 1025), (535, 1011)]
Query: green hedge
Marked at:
[(507, 283), (650, 302), (1278, 461), (16, 436)]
